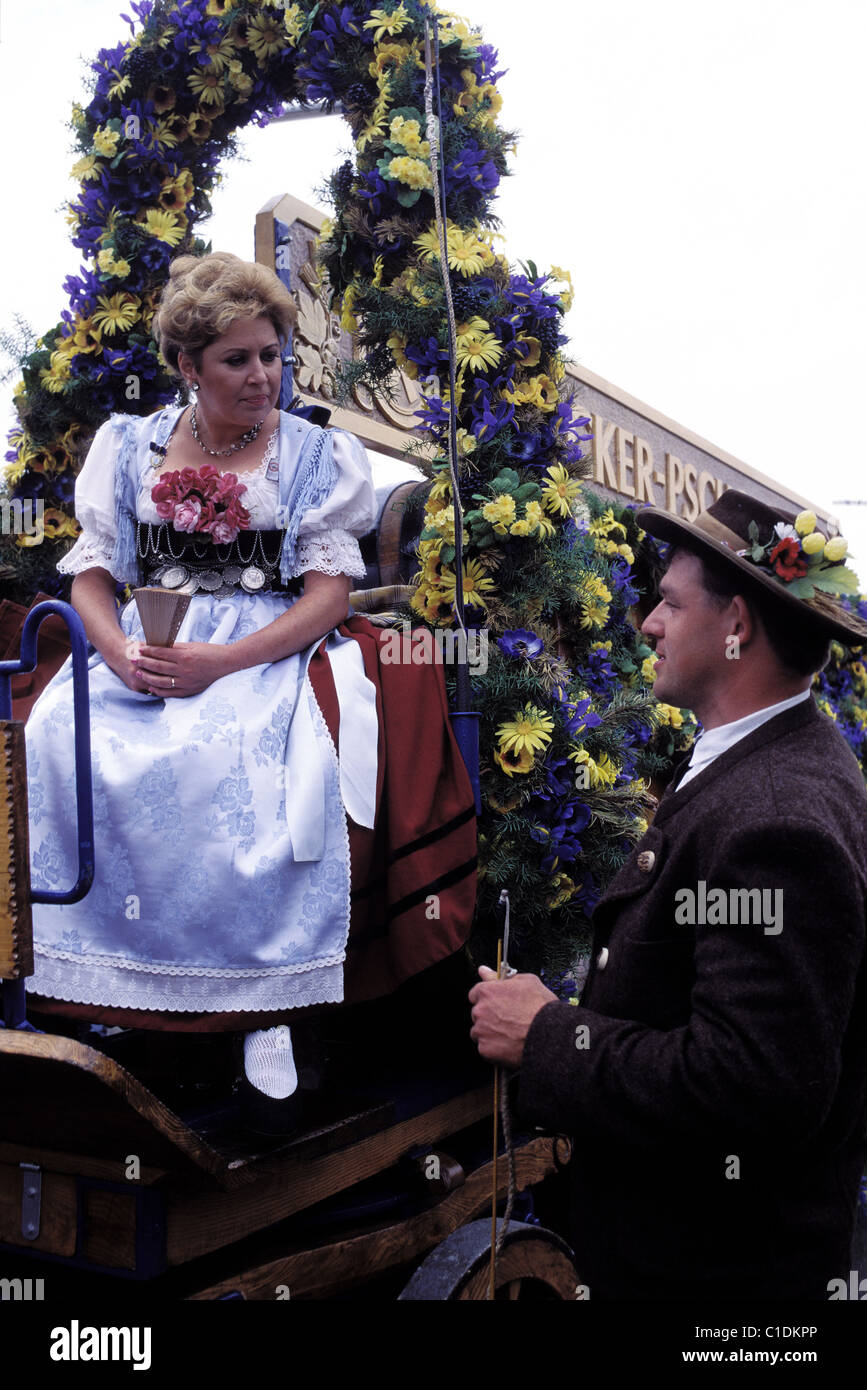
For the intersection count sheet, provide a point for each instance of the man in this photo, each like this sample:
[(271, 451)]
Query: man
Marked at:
[(714, 1075)]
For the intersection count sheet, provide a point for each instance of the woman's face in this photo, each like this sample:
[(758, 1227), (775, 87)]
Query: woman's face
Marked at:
[(239, 376)]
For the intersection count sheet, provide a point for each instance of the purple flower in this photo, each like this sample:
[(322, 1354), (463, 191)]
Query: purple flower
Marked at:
[(473, 168), (489, 415), (530, 297), (427, 355), (526, 447), (434, 413), (597, 672), (373, 188), (520, 643), (486, 64), (577, 713)]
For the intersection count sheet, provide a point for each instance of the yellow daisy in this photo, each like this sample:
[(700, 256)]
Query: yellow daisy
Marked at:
[(531, 729), (476, 584), (373, 130), (477, 350), (559, 493), (55, 377), (14, 472), (384, 23), (88, 167), (117, 313), (266, 36), (429, 242), (207, 85), (595, 614), (120, 86), (466, 255), (164, 226), (219, 54)]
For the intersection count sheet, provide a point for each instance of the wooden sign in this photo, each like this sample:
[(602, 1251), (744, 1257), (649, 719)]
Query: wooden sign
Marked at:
[(639, 455)]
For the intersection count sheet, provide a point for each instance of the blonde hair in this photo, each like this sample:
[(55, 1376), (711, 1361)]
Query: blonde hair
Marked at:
[(205, 295)]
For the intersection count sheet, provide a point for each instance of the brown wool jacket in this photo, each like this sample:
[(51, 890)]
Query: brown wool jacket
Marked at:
[(714, 1076)]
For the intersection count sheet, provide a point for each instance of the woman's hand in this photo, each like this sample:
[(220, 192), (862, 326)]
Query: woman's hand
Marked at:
[(187, 668), (123, 662)]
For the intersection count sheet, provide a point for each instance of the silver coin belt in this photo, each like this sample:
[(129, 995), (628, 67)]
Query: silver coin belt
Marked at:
[(187, 564)]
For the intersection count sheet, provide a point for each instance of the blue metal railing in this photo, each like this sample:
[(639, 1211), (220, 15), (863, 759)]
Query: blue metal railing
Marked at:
[(13, 990)]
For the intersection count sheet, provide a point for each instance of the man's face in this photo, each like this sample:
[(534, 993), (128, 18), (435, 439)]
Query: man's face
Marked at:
[(690, 631)]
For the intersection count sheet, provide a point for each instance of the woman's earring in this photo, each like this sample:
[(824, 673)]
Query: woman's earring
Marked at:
[(194, 385)]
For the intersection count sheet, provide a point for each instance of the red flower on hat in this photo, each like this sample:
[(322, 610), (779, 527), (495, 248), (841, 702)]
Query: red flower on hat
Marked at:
[(786, 560)]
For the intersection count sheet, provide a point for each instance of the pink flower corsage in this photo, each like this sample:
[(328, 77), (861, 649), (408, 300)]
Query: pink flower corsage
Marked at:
[(202, 500)]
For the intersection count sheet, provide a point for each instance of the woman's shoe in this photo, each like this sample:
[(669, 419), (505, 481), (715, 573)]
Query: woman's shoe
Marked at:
[(263, 1114)]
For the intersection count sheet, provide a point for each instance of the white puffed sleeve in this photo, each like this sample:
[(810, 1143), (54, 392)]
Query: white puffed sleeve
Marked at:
[(327, 535), (94, 506)]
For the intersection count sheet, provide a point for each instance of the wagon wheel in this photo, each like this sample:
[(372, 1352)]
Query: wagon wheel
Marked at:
[(533, 1265)]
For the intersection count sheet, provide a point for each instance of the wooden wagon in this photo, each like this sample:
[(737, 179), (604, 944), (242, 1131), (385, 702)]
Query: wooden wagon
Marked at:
[(123, 1156)]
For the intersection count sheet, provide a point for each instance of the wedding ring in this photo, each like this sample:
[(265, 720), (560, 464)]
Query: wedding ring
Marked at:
[(173, 682)]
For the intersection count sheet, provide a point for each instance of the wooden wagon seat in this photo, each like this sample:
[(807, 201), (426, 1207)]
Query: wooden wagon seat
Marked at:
[(424, 844)]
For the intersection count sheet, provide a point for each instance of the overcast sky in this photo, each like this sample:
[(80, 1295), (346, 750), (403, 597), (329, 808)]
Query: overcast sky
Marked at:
[(698, 167)]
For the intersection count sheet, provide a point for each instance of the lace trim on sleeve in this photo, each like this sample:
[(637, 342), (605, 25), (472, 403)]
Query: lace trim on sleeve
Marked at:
[(88, 552), (334, 552)]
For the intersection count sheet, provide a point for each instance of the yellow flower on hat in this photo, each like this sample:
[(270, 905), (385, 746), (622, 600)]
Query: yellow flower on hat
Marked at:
[(813, 544), (836, 549), (805, 522)]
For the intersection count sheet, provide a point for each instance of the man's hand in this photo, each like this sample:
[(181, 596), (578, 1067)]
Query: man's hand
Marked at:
[(502, 1013)]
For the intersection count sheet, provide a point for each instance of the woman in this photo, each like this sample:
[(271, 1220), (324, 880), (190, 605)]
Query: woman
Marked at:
[(222, 879)]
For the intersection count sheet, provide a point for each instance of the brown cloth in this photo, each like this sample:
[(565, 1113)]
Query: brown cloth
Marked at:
[(414, 874), (714, 1074), (53, 647)]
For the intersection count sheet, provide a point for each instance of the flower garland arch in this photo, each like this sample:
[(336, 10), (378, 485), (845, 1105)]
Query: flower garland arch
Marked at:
[(569, 732)]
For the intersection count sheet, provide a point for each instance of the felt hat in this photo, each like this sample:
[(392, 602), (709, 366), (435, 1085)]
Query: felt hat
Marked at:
[(773, 550)]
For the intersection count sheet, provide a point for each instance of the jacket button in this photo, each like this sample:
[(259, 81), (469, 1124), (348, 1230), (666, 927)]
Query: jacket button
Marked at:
[(602, 958), (646, 860)]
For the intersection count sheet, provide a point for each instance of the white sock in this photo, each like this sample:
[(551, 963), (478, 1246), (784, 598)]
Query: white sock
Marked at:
[(268, 1062)]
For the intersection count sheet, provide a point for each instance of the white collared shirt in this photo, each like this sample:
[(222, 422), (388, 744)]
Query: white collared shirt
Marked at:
[(711, 742)]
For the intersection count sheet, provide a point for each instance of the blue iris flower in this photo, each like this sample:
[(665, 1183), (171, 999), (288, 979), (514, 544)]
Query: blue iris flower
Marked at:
[(519, 642)]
